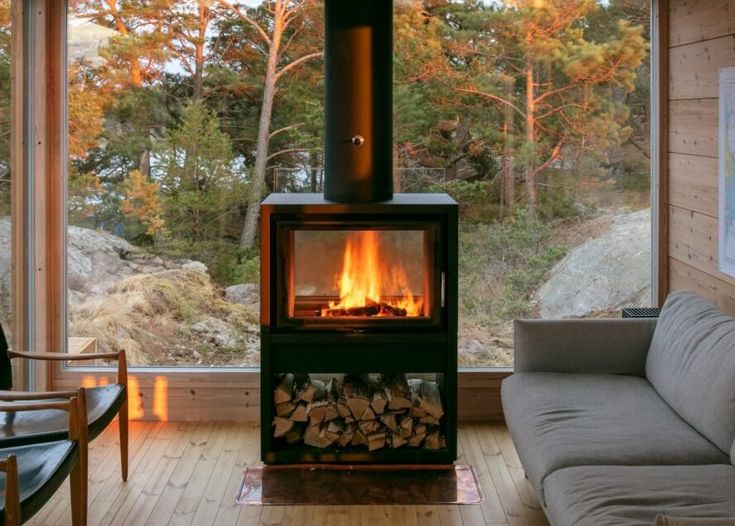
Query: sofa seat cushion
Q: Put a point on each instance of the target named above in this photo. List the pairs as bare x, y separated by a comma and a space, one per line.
635, 495
691, 364
562, 420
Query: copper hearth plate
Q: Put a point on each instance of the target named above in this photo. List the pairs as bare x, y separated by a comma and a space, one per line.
342, 485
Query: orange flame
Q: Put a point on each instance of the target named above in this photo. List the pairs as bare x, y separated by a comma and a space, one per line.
367, 280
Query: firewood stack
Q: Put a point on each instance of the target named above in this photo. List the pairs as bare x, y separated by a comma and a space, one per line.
386, 411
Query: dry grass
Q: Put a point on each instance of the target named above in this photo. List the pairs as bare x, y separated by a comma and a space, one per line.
151, 316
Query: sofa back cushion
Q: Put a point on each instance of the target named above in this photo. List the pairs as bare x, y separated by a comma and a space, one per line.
691, 364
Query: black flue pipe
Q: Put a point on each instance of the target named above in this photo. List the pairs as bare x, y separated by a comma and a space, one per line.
358, 64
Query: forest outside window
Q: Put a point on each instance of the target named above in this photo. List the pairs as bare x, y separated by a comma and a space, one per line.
533, 115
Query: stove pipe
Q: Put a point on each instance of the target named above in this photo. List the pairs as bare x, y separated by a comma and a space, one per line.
358, 63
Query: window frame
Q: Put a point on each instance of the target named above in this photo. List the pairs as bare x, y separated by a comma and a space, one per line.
39, 159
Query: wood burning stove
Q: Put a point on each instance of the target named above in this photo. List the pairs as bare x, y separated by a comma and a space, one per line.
358, 287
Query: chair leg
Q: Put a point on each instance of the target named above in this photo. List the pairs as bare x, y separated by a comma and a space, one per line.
78, 496
123, 420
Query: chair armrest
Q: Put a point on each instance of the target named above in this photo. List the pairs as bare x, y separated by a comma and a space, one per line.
63, 357
604, 346
75, 405
19, 396
122, 364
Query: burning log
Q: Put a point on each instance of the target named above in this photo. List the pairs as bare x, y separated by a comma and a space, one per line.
374, 308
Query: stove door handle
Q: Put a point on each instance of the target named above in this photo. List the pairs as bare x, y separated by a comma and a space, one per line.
443, 289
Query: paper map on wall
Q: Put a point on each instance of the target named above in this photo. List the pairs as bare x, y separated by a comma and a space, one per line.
727, 171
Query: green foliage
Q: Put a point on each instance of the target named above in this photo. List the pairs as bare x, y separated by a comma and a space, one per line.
197, 179
501, 264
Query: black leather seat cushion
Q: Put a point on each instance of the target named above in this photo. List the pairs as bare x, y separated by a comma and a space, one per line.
42, 468
32, 427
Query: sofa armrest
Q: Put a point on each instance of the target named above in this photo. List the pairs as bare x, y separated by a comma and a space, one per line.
604, 346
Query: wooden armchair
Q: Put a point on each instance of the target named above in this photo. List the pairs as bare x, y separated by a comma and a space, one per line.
101, 405
34, 472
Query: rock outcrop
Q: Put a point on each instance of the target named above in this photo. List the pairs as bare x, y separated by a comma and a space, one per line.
604, 274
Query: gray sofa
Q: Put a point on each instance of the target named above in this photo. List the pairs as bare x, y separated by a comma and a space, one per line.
617, 421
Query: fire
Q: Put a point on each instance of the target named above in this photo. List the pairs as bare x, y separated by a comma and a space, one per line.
368, 285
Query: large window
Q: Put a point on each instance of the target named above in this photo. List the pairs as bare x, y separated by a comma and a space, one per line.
5, 169
533, 115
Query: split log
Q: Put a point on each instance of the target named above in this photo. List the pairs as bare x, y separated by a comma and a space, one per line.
295, 434
282, 425
335, 429
358, 439
397, 440
316, 412
333, 390
369, 414
342, 410
396, 391
346, 437
317, 436
390, 421
331, 413
284, 391
433, 440
368, 426
430, 400
312, 390
379, 401
285, 409
415, 440
376, 441
428, 419
300, 414
405, 428
357, 394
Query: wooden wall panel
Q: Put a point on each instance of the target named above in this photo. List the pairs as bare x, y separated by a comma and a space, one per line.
696, 66
719, 291
693, 183
697, 20
701, 40
693, 127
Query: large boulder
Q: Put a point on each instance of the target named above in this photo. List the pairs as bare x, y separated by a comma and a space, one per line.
245, 294
604, 274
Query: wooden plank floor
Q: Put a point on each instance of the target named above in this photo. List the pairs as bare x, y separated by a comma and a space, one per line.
188, 473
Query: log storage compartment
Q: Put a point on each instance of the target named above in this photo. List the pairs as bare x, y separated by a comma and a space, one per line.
359, 329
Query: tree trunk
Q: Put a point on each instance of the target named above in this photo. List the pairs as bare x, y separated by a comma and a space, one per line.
198, 86
247, 238
508, 181
531, 191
